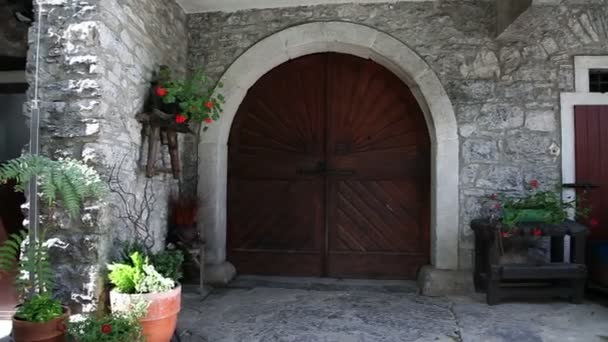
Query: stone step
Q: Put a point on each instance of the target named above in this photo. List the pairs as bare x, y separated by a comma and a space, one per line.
324, 284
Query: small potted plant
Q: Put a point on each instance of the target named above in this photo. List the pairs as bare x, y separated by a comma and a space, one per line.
68, 183
184, 233
541, 206
138, 280
537, 206
115, 327
186, 100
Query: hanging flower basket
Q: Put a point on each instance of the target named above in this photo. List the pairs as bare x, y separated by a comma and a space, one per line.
188, 100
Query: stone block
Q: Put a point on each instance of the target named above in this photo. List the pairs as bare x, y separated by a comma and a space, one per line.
500, 177
219, 274
480, 150
435, 282
529, 146
500, 116
541, 120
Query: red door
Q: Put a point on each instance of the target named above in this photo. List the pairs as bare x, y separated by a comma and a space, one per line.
329, 166
591, 139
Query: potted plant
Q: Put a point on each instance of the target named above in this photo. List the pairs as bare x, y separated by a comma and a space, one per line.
115, 327
184, 233
138, 280
528, 245
189, 99
65, 182
537, 206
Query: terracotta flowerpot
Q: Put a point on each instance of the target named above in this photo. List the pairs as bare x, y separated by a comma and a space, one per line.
160, 321
51, 331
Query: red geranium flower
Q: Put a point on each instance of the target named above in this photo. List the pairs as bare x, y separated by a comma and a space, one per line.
594, 222
106, 328
180, 118
497, 206
537, 232
505, 234
209, 104
208, 120
161, 91
534, 183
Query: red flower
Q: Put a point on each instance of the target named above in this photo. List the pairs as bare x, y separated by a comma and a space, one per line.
594, 222
106, 328
505, 234
161, 91
497, 206
209, 104
180, 118
534, 183
208, 120
537, 232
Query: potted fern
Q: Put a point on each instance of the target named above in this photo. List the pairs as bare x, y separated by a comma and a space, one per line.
139, 280
68, 183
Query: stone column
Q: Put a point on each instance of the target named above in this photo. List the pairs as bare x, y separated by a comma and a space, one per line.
212, 188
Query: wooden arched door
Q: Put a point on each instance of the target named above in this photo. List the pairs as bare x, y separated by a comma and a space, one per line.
329, 173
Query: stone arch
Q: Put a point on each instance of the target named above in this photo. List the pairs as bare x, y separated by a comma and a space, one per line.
349, 38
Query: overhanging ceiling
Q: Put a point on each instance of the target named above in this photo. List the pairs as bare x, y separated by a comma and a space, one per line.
196, 6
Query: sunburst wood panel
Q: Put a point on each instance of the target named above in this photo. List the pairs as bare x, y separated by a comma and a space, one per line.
377, 224
275, 215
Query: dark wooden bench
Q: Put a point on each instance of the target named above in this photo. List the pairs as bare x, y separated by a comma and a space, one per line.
558, 278
555, 280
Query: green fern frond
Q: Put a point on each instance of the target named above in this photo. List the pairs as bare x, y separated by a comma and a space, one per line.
9, 251
67, 181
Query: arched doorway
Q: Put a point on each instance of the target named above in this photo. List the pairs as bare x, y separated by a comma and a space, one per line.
353, 39
329, 173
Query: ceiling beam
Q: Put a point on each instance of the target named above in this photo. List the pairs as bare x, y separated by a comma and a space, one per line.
199, 6
9, 63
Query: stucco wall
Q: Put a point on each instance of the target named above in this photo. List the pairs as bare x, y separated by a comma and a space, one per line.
97, 59
505, 91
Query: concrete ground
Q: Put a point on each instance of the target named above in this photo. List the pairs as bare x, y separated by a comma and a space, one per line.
258, 310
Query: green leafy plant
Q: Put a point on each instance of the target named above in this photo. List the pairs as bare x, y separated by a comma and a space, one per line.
66, 181
138, 276
193, 95
169, 263
39, 308
115, 327
548, 203
36, 274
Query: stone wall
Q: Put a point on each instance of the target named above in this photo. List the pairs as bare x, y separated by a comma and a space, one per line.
505, 91
97, 59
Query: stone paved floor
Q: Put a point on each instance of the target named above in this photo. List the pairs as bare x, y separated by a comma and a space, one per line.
263, 314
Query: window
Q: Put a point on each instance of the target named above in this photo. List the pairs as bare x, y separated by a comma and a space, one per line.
598, 80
